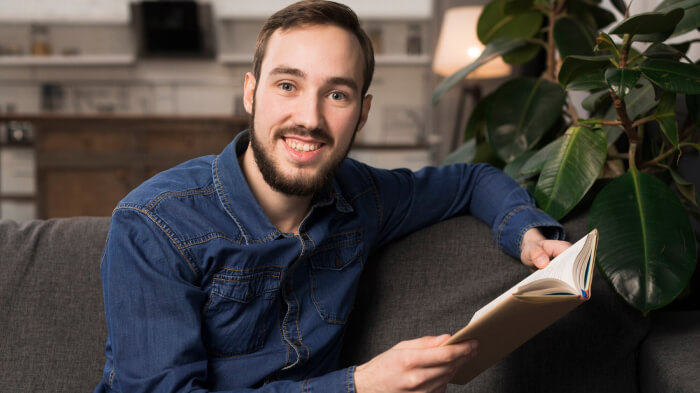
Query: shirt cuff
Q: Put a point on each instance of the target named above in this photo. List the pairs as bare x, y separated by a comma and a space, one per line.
518, 221
341, 381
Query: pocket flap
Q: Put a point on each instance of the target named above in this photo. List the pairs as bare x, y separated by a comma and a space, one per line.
245, 285
342, 251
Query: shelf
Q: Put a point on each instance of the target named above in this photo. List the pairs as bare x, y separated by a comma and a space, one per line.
365, 9
17, 197
236, 59
58, 60
388, 59
400, 59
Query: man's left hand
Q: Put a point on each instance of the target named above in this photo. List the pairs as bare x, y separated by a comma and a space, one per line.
536, 250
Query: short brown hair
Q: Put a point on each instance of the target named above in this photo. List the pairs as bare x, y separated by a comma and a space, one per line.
316, 12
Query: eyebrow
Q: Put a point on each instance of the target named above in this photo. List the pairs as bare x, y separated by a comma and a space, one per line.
336, 80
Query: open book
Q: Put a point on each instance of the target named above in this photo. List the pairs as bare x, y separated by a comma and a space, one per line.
529, 307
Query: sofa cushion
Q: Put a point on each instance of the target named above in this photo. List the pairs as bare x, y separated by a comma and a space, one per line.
52, 309
432, 281
669, 356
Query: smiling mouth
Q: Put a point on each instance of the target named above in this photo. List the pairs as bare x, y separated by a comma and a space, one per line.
302, 146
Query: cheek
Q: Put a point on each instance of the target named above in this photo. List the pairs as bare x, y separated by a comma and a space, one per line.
345, 124
269, 114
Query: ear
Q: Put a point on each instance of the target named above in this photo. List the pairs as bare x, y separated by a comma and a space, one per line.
366, 105
249, 92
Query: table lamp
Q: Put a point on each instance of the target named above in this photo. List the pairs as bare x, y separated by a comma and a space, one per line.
458, 46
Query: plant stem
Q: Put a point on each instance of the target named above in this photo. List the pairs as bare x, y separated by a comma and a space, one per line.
550, 73
625, 122
633, 156
667, 153
624, 50
643, 120
611, 123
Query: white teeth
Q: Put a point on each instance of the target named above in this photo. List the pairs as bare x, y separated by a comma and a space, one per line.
305, 147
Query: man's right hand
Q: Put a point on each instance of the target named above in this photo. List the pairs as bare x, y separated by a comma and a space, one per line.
419, 365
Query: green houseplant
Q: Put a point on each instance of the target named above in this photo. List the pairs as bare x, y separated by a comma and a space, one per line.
643, 99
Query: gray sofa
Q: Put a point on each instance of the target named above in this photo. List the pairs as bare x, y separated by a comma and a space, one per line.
53, 331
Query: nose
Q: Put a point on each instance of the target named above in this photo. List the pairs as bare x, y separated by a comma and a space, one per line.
308, 113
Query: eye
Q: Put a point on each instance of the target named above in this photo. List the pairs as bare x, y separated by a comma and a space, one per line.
338, 96
286, 86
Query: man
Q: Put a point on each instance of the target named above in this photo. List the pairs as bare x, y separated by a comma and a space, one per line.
239, 271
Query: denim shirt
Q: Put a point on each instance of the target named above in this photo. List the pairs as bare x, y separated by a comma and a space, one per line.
203, 293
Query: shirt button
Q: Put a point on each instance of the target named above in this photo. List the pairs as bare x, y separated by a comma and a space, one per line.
338, 262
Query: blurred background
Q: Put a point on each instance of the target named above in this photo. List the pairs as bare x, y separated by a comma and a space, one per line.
98, 95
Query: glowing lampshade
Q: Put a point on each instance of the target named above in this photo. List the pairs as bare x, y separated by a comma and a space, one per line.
458, 46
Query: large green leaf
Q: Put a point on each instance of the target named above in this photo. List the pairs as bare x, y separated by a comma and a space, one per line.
513, 168
686, 188
588, 82
666, 117
573, 38
464, 153
491, 51
517, 6
658, 50
658, 24
575, 67
673, 76
596, 100
476, 125
536, 162
691, 17
621, 80
495, 23
641, 100
519, 112
590, 13
646, 246
570, 170
522, 55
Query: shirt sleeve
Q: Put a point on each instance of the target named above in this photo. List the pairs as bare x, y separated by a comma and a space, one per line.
153, 312
412, 200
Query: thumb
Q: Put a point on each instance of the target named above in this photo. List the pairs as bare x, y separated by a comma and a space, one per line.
540, 257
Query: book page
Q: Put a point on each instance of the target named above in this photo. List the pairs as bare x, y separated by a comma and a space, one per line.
559, 268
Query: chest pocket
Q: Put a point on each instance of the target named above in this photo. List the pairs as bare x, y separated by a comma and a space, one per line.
236, 316
335, 272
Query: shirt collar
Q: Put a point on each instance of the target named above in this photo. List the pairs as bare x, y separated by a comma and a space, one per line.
239, 202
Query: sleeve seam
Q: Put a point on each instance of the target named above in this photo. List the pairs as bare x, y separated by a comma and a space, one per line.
166, 230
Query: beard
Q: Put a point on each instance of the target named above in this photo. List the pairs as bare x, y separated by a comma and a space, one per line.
300, 185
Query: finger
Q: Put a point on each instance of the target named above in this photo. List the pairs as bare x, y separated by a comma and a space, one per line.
423, 342
441, 356
554, 247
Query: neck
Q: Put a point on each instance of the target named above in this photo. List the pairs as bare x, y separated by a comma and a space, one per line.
284, 211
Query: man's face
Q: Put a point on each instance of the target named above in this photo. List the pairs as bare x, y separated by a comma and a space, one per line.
306, 106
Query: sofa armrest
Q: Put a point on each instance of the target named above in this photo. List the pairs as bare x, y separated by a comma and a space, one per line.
670, 355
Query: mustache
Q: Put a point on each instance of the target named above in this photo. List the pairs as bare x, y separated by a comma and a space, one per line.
318, 134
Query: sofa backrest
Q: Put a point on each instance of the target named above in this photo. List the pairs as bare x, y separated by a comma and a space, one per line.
432, 281
52, 328
52, 322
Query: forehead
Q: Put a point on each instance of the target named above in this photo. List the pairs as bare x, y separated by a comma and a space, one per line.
325, 51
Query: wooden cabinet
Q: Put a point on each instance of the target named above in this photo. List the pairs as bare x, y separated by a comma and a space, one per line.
86, 164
